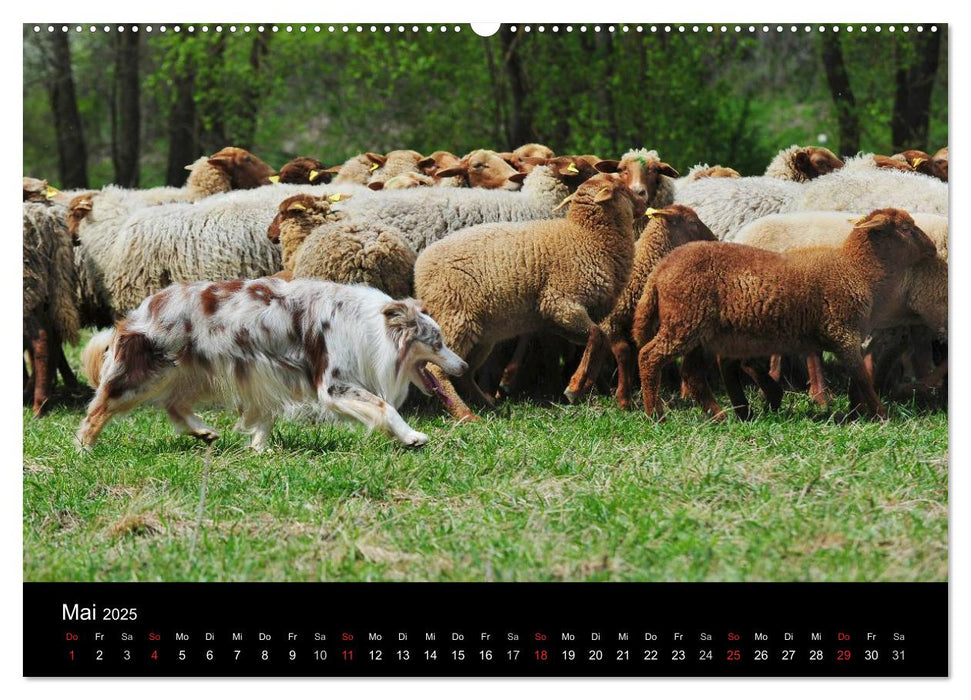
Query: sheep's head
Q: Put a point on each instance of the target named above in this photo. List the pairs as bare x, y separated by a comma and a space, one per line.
923, 163
572, 170
485, 169
533, 150
606, 191
79, 207
306, 211
894, 238
888, 163
716, 171
640, 173
813, 161
439, 160
245, 170
403, 181
941, 158
681, 223
302, 170
37, 190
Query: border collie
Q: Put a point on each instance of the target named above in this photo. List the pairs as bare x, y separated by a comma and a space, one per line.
267, 345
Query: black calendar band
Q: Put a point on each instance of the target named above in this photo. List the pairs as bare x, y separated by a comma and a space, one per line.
493, 629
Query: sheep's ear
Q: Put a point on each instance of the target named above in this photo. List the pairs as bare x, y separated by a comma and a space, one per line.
333, 170
603, 195
457, 171
82, 204
375, 186
221, 162
652, 212
517, 177
665, 169
376, 158
872, 221
803, 162
608, 166
426, 162
297, 206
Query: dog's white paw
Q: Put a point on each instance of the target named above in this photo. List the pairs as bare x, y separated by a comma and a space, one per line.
415, 439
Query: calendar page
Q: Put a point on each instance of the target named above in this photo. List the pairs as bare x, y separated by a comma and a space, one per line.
410, 349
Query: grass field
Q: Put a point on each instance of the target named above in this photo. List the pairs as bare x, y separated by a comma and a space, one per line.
532, 493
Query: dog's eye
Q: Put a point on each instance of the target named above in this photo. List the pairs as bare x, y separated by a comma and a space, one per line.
437, 345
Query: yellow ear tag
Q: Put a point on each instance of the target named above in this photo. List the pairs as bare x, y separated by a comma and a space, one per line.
572, 168
562, 204
314, 174
374, 166
650, 212
859, 221
917, 161
51, 192
274, 179
336, 197
297, 206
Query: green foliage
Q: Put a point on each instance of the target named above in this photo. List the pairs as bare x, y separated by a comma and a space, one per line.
734, 99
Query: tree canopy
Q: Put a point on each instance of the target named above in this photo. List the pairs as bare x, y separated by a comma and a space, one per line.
146, 102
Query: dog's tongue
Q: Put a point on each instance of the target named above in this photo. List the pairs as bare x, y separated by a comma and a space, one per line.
432, 383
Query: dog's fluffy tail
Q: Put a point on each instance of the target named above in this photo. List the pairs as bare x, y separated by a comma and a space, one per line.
93, 355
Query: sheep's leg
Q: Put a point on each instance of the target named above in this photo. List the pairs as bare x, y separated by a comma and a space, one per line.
862, 394
28, 385
372, 411
64, 367
731, 371
695, 383
771, 389
475, 358
450, 397
651, 359
43, 370
775, 367
588, 369
184, 420
510, 375
923, 351
573, 323
817, 382
625, 371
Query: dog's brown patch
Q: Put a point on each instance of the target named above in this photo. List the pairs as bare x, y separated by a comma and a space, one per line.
261, 292
158, 302
141, 358
244, 341
316, 348
217, 292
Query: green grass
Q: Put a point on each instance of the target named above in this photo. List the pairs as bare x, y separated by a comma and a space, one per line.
534, 493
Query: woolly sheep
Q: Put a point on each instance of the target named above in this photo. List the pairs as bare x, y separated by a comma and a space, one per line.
356, 170
533, 150
737, 302
50, 297
862, 190
803, 163
220, 237
921, 294
333, 248
727, 204
666, 229
393, 164
427, 214
403, 181
497, 281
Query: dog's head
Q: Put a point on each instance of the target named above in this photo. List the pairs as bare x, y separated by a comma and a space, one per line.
419, 340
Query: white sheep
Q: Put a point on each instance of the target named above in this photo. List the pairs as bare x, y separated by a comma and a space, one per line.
727, 204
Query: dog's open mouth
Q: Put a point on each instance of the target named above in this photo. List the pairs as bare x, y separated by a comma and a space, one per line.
431, 384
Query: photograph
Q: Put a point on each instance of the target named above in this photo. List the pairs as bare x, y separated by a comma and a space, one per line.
568, 303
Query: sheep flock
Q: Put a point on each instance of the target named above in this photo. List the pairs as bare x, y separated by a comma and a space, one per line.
540, 266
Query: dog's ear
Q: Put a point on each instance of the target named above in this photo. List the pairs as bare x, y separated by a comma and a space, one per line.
398, 313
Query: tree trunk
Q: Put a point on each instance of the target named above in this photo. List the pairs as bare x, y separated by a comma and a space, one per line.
843, 99
915, 82
71, 152
126, 110
183, 126
253, 92
521, 122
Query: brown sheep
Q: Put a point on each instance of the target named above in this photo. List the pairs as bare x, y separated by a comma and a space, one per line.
393, 164
941, 158
439, 160
485, 169
739, 302
234, 169
403, 182
496, 281
356, 170
924, 164
302, 170
891, 163
321, 243
666, 229
803, 163
533, 150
